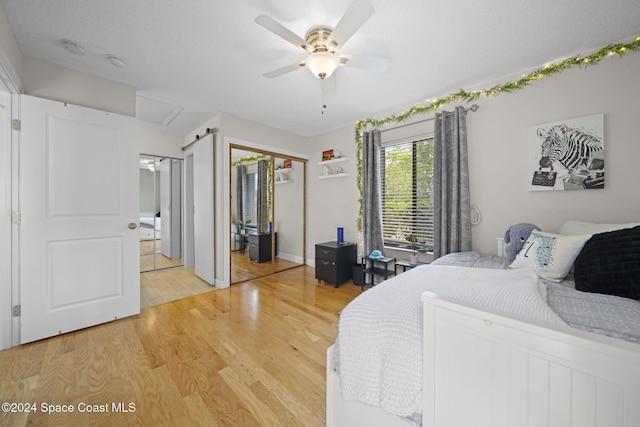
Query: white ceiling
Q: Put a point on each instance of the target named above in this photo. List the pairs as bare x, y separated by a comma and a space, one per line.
192, 59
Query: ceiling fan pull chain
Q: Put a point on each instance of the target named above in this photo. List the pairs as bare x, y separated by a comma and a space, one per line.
324, 104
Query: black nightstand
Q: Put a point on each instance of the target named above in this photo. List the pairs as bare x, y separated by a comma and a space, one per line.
334, 262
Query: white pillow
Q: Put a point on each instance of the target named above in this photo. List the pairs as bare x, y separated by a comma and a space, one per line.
582, 227
550, 255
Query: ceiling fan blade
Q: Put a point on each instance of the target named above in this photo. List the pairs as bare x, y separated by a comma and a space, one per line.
280, 30
285, 70
370, 63
357, 14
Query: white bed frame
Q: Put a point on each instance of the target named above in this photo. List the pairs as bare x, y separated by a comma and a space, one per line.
483, 368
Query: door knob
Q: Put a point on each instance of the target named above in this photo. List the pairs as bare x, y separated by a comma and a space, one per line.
133, 225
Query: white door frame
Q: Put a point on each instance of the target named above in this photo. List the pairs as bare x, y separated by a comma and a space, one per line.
9, 84
6, 180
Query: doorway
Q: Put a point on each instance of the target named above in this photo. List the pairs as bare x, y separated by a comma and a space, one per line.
160, 228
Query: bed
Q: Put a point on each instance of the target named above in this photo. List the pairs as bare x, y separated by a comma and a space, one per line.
150, 227
470, 341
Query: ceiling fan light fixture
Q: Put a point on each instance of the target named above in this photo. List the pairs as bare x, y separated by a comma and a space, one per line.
322, 64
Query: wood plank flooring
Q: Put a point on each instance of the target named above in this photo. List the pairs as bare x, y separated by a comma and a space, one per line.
160, 286
249, 355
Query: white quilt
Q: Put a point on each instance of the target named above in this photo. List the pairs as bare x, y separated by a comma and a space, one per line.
379, 340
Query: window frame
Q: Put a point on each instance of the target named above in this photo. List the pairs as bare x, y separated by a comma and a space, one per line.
400, 243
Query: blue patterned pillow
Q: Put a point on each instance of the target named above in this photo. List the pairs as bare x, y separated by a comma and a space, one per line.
550, 255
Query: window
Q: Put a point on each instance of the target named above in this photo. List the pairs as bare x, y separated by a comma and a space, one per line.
250, 195
406, 171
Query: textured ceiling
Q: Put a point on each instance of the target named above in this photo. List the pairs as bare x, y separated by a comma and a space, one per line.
192, 59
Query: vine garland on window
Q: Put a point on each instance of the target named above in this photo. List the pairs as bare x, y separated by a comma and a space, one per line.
463, 95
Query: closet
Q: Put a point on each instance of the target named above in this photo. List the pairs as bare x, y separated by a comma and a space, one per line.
268, 211
160, 226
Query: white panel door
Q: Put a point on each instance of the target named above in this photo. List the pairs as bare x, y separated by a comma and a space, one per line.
79, 200
203, 232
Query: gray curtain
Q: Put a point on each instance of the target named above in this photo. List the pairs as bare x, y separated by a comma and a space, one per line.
371, 195
263, 210
240, 172
452, 223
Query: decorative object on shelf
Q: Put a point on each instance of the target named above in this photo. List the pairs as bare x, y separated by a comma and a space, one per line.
327, 155
329, 171
572, 149
469, 96
376, 254
286, 164
340, 235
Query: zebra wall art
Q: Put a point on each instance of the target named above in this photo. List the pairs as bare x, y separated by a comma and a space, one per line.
570, 155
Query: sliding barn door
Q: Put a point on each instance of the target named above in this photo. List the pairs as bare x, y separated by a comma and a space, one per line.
78, 195
203, 225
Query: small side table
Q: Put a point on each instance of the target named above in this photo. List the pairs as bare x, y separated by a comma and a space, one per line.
378, 267
405, 264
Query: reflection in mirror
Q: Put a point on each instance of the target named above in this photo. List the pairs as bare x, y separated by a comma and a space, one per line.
160, 213
289, 176
251, 215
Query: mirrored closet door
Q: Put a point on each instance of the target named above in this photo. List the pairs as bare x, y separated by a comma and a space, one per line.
267, 213
160, 226
289, 212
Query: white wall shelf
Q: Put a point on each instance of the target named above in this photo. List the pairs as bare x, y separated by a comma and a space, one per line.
332, 171
333, 175
332, 161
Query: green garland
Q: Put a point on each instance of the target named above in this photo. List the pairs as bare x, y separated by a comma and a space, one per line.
249, 159
469, 96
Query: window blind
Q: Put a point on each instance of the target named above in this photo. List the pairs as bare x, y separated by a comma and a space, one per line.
407, 204
250, 192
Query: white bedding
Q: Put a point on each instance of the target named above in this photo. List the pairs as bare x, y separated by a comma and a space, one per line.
379, 343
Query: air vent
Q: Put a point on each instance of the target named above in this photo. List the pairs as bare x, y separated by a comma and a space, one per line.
116, 61
73, 47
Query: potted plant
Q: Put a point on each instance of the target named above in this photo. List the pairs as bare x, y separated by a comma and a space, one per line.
240, 224
417, 247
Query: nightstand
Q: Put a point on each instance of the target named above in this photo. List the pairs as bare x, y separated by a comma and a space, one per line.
334, 262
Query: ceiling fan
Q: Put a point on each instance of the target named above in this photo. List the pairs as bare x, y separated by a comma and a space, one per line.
323, 42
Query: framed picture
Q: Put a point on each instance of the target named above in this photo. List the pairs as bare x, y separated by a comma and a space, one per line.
567, 155
286, 164
327, 155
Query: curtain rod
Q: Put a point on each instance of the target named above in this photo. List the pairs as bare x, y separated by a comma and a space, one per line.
198, 137
473, 108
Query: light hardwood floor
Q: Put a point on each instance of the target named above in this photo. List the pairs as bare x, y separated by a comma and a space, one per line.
249, 355
160, 286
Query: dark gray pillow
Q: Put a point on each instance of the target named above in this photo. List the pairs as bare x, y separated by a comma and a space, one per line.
609, 263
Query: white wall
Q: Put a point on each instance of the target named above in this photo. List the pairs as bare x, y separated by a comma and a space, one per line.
498, 150
50, 81
333, 203
160, 143
498, 157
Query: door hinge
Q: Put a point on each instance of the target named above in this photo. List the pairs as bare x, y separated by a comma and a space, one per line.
16, 311
16, 217
16, 124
